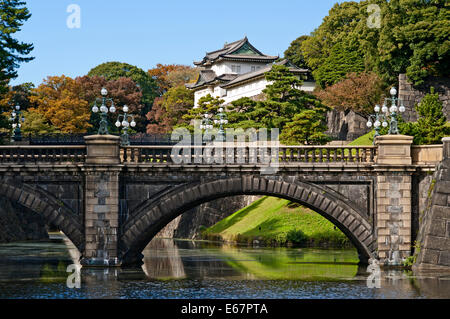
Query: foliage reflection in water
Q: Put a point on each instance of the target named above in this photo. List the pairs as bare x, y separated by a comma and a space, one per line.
184, 269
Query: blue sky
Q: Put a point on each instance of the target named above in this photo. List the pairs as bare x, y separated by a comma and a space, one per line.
147, 32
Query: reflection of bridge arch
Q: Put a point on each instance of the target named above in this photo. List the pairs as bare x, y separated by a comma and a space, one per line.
156, 213
53, 211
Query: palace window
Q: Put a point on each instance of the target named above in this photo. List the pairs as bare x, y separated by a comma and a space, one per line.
253, 68
236, 69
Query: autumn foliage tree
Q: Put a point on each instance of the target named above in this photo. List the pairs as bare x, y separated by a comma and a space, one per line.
168, 110
16, 95
66, 103
357, 92
175, 100
123, 91
59, 100
172, 75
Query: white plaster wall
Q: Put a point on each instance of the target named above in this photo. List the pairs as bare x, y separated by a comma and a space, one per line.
308, 86
246, 90
225, 67
199, 94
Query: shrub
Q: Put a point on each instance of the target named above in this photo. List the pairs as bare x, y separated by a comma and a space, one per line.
296, 237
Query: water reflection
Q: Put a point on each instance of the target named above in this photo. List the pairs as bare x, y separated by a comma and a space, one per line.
184, 269
168, 259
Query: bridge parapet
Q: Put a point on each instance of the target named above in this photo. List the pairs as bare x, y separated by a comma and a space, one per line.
21, 154
216, 154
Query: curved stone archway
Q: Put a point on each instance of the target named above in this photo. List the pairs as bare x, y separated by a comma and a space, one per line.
156, 213
53, 211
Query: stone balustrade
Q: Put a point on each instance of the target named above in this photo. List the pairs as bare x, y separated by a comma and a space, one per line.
249, 154
19, 154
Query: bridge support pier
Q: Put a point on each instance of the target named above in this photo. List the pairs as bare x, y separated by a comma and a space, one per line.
393, 197
101, 174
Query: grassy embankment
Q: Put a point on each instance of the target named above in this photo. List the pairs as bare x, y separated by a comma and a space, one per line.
277, 222
367, 139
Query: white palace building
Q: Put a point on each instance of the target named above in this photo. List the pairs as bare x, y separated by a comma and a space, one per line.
238, 70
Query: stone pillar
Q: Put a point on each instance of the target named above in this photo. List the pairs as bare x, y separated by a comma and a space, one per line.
446, 148
101, 172
393, 198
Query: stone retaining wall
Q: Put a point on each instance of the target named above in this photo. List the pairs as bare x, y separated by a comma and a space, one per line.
413, 95
433, 241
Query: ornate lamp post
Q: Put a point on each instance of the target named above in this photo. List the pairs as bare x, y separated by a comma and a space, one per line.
125, 123
221, 120
16, 119
206, 123
388, 114
103, 130
375, 121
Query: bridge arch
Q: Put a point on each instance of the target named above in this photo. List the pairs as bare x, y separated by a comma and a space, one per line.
156, 213
53, 211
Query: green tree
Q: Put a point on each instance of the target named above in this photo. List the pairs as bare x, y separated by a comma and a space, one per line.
115, 70
337, 27
13, 14
245, 113
206, 104
36, 124
284, 99
414, 38
294, 52
284, 103
341, 60
307, 127
431, 126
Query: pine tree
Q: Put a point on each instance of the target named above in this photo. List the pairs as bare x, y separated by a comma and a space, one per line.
307, 127
245, 113
207, 104
431, 126
283, 97
12, 52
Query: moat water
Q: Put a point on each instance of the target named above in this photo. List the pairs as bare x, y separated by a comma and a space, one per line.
190, 270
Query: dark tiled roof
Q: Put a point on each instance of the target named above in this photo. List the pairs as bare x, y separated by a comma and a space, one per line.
261, 72
229, 48
209, 76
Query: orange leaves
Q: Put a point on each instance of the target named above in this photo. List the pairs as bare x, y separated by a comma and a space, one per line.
58, 100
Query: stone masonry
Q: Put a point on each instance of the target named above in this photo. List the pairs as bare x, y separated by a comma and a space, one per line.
413, 95
394, 217
101, 201
433, 242
394, 186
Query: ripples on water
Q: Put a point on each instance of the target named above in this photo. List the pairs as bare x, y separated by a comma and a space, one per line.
192, 270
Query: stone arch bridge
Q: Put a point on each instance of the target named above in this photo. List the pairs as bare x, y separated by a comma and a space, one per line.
111, 201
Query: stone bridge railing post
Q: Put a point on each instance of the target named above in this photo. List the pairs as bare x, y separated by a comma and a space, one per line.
101, 190
393, 198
